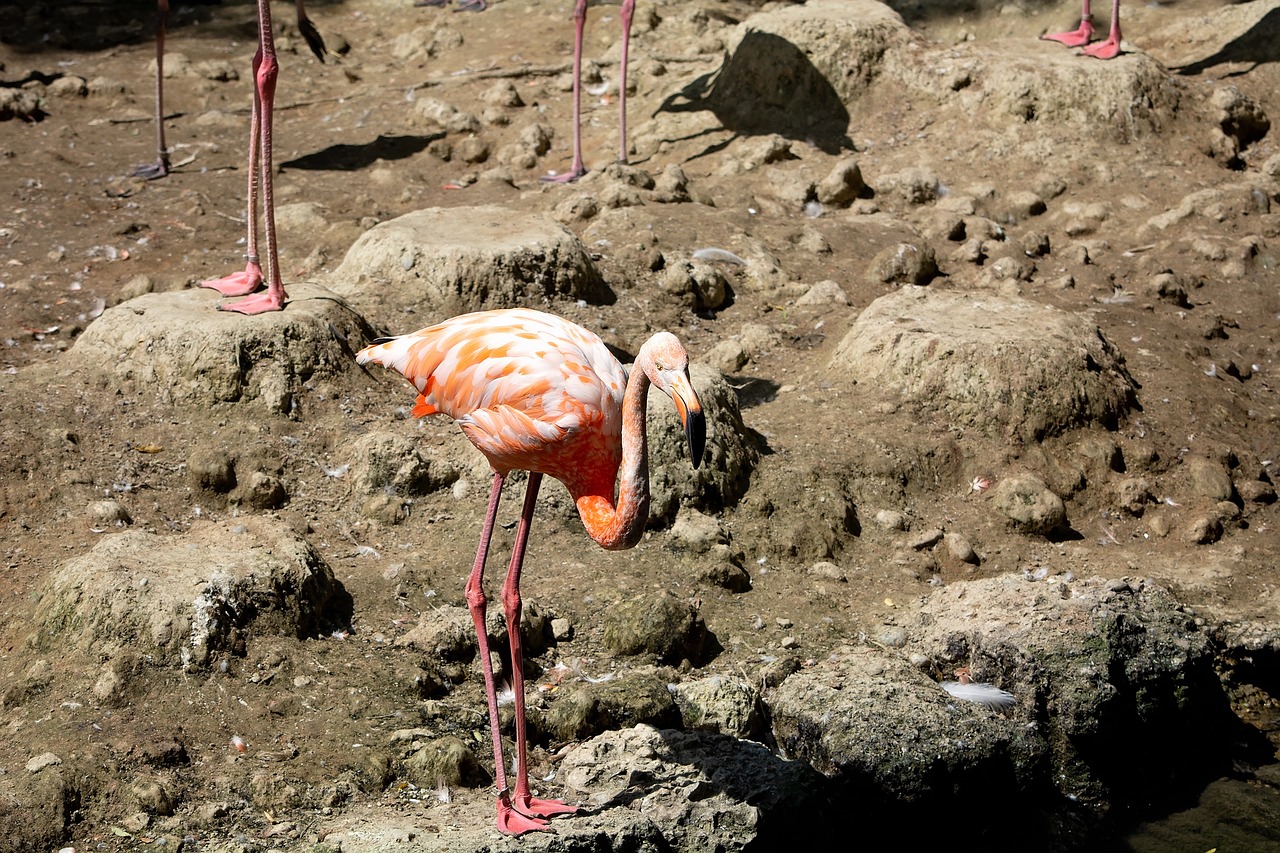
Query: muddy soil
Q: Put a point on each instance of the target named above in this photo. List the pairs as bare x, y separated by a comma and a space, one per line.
353, 148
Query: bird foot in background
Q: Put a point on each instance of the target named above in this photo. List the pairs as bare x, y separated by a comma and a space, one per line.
150, 171
512, 822
258, 303
238, 283
1108, 49
1076, 38
565, 177
542, 808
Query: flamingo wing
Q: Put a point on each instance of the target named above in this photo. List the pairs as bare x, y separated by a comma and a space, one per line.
516, 380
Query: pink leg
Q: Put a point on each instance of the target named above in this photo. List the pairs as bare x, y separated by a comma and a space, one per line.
160, 168
577, 170
265, 73
522, 801
509, 820
1077, 37
1109, 48
628, 9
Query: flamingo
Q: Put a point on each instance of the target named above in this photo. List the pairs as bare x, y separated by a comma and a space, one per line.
265, 70
577, 169
1079, 37
160, 168
537, 393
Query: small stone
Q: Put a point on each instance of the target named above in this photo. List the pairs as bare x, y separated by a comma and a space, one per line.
828, 570
561, 629
824, 293
263, 491
107, 513
696, 532
1256, 491
925, 539
1209, 478
212, 469
891, 519
1204, 530
788, 642
1133, 494
1029, 504
959, 548
903, 264
40, 762
153, 797
842, 184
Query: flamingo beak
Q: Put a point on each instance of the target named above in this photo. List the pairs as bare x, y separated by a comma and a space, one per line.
689, 408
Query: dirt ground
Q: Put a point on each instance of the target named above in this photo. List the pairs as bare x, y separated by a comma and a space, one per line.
78, 235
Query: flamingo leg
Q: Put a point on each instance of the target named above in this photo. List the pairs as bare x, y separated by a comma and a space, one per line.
160, 168
628, 10
265, 71
509, 820
1079, 36
577, 169
522, 801
1109, 48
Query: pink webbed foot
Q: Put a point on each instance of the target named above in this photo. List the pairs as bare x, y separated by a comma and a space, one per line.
513, 822
1076, 38
258, 303
238, 283
1108, 49
543, 808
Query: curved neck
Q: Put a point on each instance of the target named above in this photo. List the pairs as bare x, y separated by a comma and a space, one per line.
615, 526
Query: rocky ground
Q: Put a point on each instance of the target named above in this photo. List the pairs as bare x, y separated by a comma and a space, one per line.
984, 330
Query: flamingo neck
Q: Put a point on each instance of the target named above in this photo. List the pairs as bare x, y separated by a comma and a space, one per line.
615, 526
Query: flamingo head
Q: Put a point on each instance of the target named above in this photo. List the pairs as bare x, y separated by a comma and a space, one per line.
666, 363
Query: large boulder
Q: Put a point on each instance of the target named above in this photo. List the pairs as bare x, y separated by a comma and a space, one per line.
1001, 366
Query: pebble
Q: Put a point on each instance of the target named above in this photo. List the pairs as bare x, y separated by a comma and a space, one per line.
960, 549
828, 570
40, 762
891, 519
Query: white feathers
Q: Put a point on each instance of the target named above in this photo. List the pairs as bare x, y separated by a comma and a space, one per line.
982, 694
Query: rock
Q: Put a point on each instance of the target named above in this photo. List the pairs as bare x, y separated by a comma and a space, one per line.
261, 491
960, 549
561, 629
828, 571
445, 761
1003, 366
706, 791
1029, 504
661, 625
1133, 494
891, 519
925, 539
732, 451
696, 532
1256, 491
628, 699
438, 262
824, 294
722, 705
1203, 530
41, 761
211, 469
384, 461
106, 514
903, 265
1209, 479
1071, 729
175, 348
842, 184
152, 797
914, 185
217, 581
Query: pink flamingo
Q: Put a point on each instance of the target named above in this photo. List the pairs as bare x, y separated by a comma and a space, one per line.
537, 393
1079, 37
160, 168
577, 169
265, 70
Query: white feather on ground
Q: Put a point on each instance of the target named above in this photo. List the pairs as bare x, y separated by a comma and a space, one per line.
981, 694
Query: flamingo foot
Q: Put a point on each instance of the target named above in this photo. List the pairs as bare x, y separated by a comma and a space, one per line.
512, 822
565, 177
259, 303
238, 283
1076, 38
1108, 49
543, 808
150, 171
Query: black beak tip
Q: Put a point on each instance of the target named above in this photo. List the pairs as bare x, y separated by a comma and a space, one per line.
695, 431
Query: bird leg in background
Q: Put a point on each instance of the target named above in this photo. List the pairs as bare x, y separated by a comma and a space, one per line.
522, 801
1077, 37
509, 820
463, 5
577, 169
160, 168
265, 71
1108, 48
628, 9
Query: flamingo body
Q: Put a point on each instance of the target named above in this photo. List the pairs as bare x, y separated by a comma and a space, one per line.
537, 393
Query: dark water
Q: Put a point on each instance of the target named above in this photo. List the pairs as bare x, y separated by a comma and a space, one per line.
1232, 816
